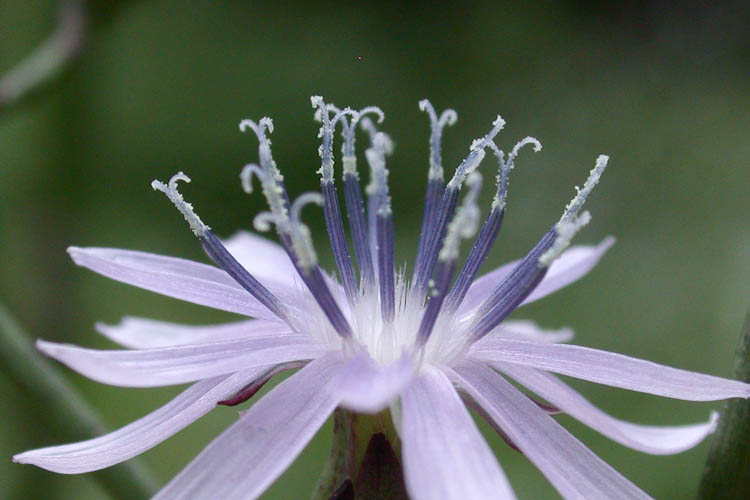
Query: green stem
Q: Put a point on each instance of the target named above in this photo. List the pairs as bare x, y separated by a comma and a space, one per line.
727, 471
49, 59
364, 454
66, 413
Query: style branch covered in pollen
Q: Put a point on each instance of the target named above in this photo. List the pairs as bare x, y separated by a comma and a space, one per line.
414, 349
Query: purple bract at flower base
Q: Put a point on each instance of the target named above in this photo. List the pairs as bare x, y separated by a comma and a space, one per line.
376, 340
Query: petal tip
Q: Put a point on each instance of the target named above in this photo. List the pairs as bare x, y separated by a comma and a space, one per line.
44, 346
26, 457
50, 349
76, 253
608, 242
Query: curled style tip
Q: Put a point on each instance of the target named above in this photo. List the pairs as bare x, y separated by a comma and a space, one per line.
300, 203
347, 133
448, 117
476, 155
259, 128
264, 145
326, 133
246, 176
483, 142
524, 142
505, 165
377, 138
263, 221
185, 208
216, 249
300, 233
582, 193
373, 110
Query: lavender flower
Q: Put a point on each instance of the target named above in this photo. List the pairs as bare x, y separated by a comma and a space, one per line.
375, 340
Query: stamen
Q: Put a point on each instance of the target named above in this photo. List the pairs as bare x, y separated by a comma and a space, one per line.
274, 193
294, 235
447, 117
532, 269
490, 228
435, 181
465, 222
565, 230
264, 145
347, 132
477, 154
463, 225
379, 206
216, 249
447, 205
353, 195
506, 166
185, 208
331, 211
595, 174
271, 180
306, 260
301, 239
263, 221
326, 134
386, 269
381, 145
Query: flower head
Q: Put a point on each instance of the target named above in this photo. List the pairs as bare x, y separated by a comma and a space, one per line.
374, 339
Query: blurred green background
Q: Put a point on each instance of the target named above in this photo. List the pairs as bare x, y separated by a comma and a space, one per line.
162, 85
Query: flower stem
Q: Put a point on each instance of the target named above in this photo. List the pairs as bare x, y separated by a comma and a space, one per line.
364, 462
727, 471
66, 414
49, 59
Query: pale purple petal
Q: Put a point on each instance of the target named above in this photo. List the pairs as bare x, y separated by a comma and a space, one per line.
144, 433
569, 267
246, 458
445, 456
264, 259
483, 286
528, 330
142, 333
180, 364
366, 387
609, 368
572, 265
179, 278
656, 440
269, 263
574, 470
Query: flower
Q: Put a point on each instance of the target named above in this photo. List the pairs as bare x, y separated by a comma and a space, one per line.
373, 341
